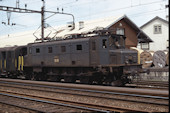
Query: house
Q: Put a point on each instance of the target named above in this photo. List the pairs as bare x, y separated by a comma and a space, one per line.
117, 24
158, 30
134, 35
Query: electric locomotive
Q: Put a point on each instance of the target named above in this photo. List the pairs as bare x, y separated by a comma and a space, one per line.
100, 58
96, 58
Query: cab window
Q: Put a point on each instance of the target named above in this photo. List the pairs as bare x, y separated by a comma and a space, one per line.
104, 43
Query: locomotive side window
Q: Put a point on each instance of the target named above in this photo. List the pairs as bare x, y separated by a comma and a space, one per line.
79, 47
104, 43
63, 48
50, 49
37, 50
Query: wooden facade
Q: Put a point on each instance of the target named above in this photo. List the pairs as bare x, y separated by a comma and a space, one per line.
129, 32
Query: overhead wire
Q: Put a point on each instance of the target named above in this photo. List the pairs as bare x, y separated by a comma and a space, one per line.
126, 7
153, 11
107, 11
99, 1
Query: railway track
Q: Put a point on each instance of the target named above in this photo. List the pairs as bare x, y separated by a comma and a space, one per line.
153, 83
52, 104
99, 98
76, 105
146, 87
161, 85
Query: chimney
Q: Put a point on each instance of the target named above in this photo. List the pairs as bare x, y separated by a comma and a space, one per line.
70, 26
81, 25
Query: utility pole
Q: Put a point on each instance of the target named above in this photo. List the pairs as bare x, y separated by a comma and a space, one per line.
17, 4
42, 20
167, 14
42, 12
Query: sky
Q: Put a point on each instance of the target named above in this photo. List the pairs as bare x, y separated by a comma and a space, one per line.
139, 11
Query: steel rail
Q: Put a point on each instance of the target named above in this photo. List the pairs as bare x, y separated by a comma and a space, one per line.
22, 107
110, 98
86, 90
103, 109
81, 87
152, 83
95, 87
146, 87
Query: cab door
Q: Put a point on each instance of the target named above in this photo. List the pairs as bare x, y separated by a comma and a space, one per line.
94, 59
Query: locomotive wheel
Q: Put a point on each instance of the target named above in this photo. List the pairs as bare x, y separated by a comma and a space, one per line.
57, 78
117, 83
28, 76
35, 76
86, 80
39, 76
54, 78
69, 79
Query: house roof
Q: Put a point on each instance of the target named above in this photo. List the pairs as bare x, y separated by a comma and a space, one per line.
156, 18
63, 31
142, 37
90, 25
105, 23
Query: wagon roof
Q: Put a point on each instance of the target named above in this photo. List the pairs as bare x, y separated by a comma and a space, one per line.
12, 48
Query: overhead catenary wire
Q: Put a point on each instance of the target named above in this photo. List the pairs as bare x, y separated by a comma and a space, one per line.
86, 15
92, 14
80, 17
106, 10
89, 23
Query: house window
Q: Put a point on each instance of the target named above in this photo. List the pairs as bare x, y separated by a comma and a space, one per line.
157, 29
167, 44
145, 46
79, 47
120, 31
37, 50
50, 49
63, 48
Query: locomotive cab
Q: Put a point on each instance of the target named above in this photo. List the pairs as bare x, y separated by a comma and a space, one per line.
123, 62
113, 60
119, 55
